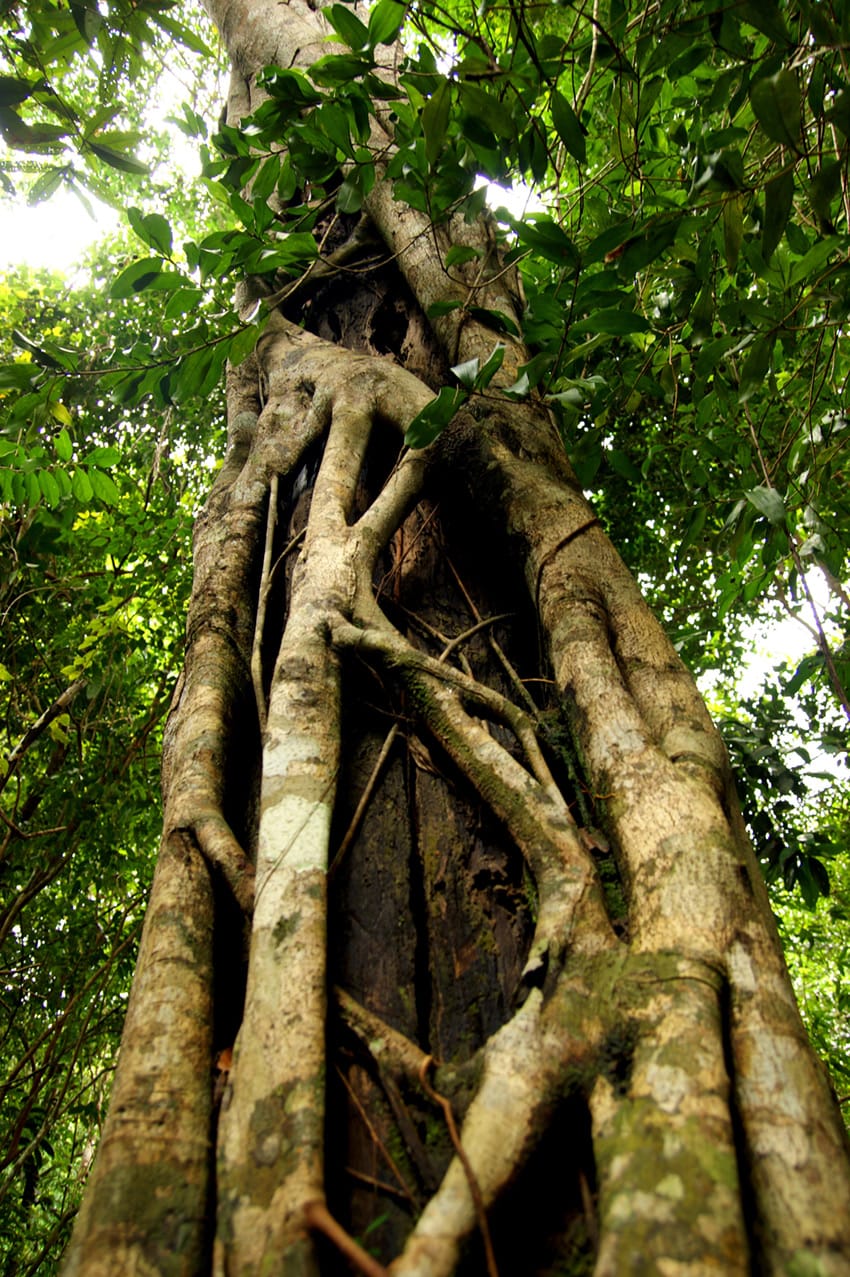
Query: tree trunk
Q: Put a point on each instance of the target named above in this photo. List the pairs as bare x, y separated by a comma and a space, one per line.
450, 844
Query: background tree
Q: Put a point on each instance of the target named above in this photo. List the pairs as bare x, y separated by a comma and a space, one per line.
632, 992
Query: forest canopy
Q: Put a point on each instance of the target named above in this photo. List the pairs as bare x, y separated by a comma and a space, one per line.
681, 280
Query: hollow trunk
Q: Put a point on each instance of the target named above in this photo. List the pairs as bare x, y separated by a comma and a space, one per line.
457, 954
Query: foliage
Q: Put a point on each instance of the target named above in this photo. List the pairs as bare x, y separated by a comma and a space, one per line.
94, 588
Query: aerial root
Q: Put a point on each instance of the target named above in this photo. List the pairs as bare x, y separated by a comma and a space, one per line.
320, 1220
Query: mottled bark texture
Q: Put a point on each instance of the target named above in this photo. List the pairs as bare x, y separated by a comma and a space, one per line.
463, 849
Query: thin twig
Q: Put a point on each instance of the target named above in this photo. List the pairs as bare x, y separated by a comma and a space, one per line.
475, 1191
379, 1143
320, 1220
379, 1184
368, 790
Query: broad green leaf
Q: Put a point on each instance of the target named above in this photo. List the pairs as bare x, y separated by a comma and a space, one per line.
755, 368
775, 100
435, 120
118, 159
385, 21
87, 18
349, 197
81, 486
333, 119
467, 372
435, 416
289, 86
45, 185
544, 235
815, 259
18, 376
13, 90
491, 366
49, 487
39, 354
152, 229
614, 322
62, 444
770, 503
436, 309
824, 188
101, 456
765, 16
104, 488
60, 413
568, 126
487, 109
495, 319
347, 26
28, 136
136, 277
733, 231
460, 253
778, 201
183, 35
338, 68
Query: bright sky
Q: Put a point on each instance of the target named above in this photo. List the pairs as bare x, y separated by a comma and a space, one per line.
52, 234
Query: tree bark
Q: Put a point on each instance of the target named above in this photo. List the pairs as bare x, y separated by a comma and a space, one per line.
465, 849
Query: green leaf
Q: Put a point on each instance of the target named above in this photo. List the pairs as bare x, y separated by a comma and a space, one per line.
770, 503
495, 319
87, 19
81, 486
62, 444
28, 136
615, 322
546, 237
152, 229
338, 68
13, 90
733, 231
442, 308
435, 120
118, 159
49, 487
824, 188
347, 26
756, 367
778, 201
136, 277
459, 253
467, 372
104, 488
775, 100
291, 87
491, 366
333, 120
349, 197
487, 109
435, 416
45, 185
19, 376
39, 355
568, 126
764, 15
101, 456
385, 22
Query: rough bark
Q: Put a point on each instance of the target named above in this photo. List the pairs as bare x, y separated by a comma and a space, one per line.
538, 913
